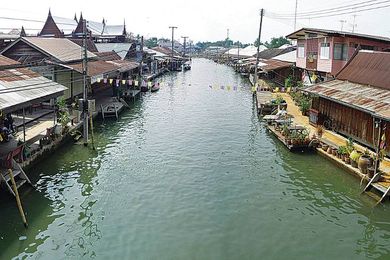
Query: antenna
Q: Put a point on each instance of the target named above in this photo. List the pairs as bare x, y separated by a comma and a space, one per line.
354, 24
342, 24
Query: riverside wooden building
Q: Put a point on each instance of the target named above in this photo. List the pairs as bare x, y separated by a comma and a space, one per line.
357, 103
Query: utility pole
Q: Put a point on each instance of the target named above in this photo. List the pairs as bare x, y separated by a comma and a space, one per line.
185, 42
141, 51
238, 50
190, 53
295, 15
173, 34
85, 87
258, 46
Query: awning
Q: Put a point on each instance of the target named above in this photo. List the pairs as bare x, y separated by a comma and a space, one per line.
20, 88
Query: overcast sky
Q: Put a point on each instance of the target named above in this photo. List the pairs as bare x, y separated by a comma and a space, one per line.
200, 20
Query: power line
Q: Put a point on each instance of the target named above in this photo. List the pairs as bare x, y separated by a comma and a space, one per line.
335, 14
332, 10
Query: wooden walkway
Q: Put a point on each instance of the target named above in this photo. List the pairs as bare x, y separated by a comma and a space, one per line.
337, 140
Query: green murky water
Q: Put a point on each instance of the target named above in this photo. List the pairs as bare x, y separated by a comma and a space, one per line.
190, 173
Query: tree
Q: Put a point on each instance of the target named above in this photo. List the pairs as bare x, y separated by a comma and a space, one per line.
256, 43
152, 42
276, 42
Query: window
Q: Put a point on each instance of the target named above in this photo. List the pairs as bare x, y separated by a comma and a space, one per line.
340, 51
325, 51
301, 51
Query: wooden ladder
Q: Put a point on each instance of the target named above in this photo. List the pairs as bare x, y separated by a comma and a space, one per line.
17, 171
371, 184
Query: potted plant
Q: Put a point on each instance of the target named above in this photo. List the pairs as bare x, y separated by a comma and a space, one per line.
320, 131
364, 161
341, 152
354, 156
63, 117
325, 147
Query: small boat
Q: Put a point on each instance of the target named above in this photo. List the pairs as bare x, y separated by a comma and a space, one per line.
145, 86
144, 89
156, 87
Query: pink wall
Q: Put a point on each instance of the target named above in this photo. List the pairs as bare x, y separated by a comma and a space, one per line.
334, 66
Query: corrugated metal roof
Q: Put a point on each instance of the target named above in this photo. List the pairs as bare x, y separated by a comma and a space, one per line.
120, 48
96, 68
366, 98
301, 34
289, 57
270, 53
4, 61
109, 55
368, 68
274, 65
22, 87
62, 49
166, 51
244, 52
124, 65
66, 25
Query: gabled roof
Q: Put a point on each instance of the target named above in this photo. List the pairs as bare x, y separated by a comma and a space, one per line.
368, 68
22, 87
50, 28
107, 56
60, 49
300, 34
120, 48
100, 28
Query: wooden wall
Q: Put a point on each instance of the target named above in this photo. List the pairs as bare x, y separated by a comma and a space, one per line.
352, 122
24, 53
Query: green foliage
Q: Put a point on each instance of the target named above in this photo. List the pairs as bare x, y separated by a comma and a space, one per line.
276, 42
355, 155
63, 112
279, 100
342, 150
256, 43
349, 146
151, 43
288, 82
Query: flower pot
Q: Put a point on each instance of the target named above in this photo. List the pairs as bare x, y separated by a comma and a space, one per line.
354, 164
347, 160
370, 172
329, 151
364, 163
334, 152
325, 147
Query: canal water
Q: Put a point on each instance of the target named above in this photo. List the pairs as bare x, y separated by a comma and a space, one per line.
190, 173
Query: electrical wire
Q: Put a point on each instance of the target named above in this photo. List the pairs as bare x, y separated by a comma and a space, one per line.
334, 14
332, 10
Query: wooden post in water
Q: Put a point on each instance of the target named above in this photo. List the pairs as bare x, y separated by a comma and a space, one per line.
92, 137
18, 202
